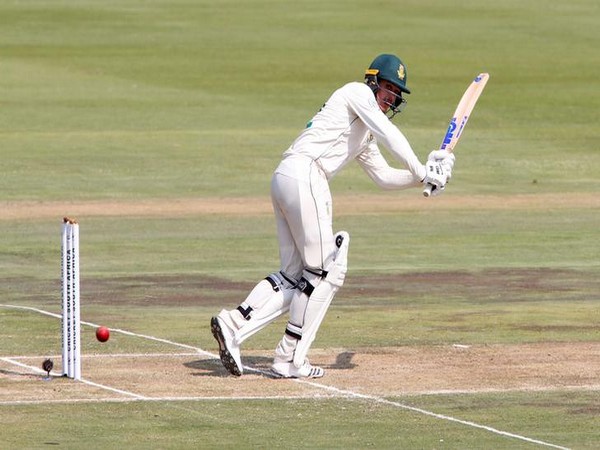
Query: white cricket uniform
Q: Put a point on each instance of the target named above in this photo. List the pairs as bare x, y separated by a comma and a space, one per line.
346, 128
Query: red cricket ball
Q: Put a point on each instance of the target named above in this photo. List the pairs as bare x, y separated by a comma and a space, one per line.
102, 334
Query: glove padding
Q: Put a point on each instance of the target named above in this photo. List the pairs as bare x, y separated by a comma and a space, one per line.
438, 155
446, 158
437, 175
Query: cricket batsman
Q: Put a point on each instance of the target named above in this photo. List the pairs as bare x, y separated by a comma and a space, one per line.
350, 126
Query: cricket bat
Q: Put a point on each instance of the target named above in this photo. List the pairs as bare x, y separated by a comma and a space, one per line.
460, 117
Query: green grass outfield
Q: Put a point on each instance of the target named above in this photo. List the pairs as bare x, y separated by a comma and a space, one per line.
172, 101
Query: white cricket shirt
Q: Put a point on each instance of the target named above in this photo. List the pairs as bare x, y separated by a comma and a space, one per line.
348, 127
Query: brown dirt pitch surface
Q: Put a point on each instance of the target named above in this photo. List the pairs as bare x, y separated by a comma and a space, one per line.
373, 372
197, 373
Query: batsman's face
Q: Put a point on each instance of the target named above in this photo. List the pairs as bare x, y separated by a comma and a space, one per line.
387, 95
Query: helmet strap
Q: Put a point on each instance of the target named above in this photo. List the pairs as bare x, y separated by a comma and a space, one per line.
373, 82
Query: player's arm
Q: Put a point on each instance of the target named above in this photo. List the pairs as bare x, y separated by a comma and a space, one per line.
386, 177
364, 105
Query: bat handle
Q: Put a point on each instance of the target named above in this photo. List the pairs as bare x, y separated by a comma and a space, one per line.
427, 190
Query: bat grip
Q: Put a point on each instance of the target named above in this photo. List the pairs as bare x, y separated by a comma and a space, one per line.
427, 190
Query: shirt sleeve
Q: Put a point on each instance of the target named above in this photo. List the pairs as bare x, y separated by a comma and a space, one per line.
386, 177
366, 108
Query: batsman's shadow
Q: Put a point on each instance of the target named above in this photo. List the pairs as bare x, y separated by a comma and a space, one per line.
213, 367
343, 361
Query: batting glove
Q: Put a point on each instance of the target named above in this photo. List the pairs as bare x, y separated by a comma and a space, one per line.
437, 173
444, 157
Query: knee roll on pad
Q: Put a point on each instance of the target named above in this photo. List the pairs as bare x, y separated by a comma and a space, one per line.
261, 294
335, 272
268, 300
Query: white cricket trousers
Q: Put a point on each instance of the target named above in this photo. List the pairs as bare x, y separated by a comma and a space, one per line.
303, 210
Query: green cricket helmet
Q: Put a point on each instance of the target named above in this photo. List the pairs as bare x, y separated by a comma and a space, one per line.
390, 68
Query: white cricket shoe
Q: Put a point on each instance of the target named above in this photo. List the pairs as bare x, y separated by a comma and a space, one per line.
289, 370
228, 351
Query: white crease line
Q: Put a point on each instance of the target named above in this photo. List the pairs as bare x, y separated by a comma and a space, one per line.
112, 355
68, 401
583, 387
425, 412
118, 391
25, 366
41, 311
83, 380
117, 330
574, 388
163, 399
342, 392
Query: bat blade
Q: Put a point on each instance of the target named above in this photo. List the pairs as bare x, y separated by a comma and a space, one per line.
461, 116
